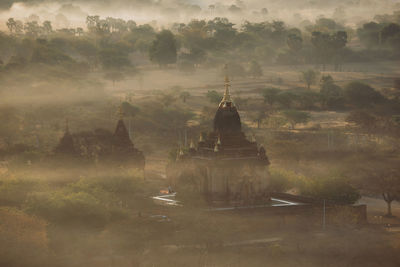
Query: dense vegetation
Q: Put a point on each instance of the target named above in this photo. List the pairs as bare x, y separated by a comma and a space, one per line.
70, 212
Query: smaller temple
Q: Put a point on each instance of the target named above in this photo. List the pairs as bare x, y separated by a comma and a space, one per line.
223, 164
66, 145
102, 146
123, 151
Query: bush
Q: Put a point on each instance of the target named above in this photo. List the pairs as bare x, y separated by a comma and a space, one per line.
13, 192
279, 181
214, 97
68, 208
23, 239
90, 201
336, 189
362, 95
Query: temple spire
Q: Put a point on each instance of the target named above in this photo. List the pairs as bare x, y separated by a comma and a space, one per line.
120, 111
227, 84
227, 95
66, 126
216, 149
192, 146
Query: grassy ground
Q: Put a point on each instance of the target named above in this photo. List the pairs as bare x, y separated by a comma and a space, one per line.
192, 237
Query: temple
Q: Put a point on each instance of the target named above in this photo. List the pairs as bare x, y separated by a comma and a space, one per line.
102, 146
123, 151
66, 145
224, 164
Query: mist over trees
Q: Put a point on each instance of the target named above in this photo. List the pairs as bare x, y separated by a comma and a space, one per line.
109, 43
319, 94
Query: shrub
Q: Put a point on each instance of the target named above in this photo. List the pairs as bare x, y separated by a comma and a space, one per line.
213, 96
362, 95
90, 201
13, 192
279, 181
23, 239
336, 189
68, 208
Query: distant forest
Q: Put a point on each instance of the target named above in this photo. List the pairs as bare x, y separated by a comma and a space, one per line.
117, 45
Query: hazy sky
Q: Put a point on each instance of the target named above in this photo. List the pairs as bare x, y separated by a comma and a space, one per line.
72, 13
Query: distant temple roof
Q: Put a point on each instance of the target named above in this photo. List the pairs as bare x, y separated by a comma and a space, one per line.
117, 148
121, 135
66, 144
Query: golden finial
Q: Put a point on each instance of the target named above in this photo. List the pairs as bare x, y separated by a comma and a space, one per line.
216, 149
120, 111
227, 95
192, 144
66, 125
219, 141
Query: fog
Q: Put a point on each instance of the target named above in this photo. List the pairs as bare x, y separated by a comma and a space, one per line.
163, 13
199, 133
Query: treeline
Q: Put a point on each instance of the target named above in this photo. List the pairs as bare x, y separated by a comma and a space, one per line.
373, 112
109, 43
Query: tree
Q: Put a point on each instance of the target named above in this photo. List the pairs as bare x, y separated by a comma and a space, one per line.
328, 46
295, 116
89, 51
12, 25
338, 42
385, 181
259, 117
370, 35
114, 58
213, 96
390, 35
295, 43
270, 95
163, 50
320, 41
32, 29
255, 69
235, 70
309, 77
47, 28
167, 99
362, 95
79, 31
195, 57
307, 99
184, 96
92, 22
363, 119
331, 94
114, 76
286, 98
